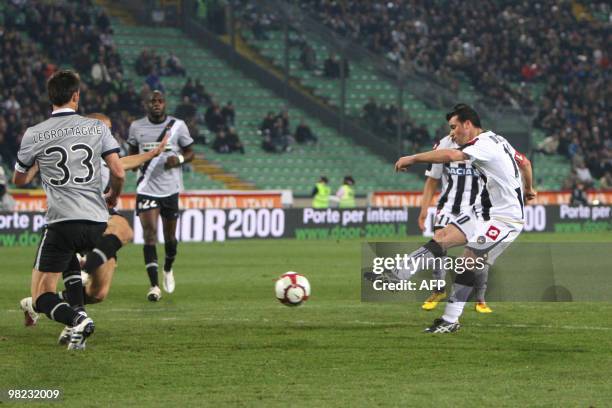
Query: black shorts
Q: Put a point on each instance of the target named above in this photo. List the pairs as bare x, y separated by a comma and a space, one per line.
168, 206
62, 240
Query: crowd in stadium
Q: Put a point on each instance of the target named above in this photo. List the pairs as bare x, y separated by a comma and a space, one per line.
79, 36
507, 59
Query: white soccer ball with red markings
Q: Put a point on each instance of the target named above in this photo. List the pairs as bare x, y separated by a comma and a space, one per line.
292, 289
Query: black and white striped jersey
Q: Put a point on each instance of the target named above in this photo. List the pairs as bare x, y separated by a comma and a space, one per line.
462, 185
499, 166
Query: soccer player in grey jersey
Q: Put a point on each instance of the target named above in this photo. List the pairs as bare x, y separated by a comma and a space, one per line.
159, 184
67, 148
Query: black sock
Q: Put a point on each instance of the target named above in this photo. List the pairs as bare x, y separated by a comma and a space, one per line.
55, 309
105, 249
170, 254
150, 257
435, 248
74, 290
63, 295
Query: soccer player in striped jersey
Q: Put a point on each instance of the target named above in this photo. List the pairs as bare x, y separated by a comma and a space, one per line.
457, 211
508, 180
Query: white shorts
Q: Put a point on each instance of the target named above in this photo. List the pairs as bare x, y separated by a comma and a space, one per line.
492, 237
466, 221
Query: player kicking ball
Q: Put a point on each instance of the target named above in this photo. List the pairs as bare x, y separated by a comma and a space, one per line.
158, 186
499, 165
457, 210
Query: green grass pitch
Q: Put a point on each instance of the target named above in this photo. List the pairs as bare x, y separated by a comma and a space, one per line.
223, 340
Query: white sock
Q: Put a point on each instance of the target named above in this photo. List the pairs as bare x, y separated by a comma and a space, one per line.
453, 311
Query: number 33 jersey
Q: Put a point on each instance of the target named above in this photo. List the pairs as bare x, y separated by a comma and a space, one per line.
498, 163
68, 148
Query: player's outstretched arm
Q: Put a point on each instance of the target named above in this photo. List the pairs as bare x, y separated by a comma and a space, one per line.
117, 178
136, 160
434, 156
431, 185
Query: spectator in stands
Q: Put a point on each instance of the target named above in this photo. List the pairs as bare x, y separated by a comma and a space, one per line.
606, 181
549, 145
283, 115
234, 140
11, 105
214, 119
174, 66
186, 110
201, 94
331, 67
229, 113
304, 135
194, 131
583, 175
267, 145
308, 57
221, 144
371, 113
7, 203
275, 139
154, 82
145, 92
143, 64
268, 123
100, 76
130, 102
280, 136
189, 90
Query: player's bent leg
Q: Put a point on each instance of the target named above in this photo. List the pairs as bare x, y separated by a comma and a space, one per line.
170, 244
106, 249
119, 227
99, 286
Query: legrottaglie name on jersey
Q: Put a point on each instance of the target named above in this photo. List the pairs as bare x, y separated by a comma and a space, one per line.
69, 131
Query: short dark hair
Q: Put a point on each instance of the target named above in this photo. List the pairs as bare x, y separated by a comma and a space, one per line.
62, 85
464, 112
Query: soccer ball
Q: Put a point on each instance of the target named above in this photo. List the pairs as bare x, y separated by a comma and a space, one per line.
292, 289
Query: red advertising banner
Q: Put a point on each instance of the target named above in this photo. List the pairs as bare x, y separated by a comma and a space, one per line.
413, 198
36, 201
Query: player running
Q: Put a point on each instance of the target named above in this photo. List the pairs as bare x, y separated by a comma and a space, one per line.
499, 164
158, 186
67, 148
458, 208
102, 258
